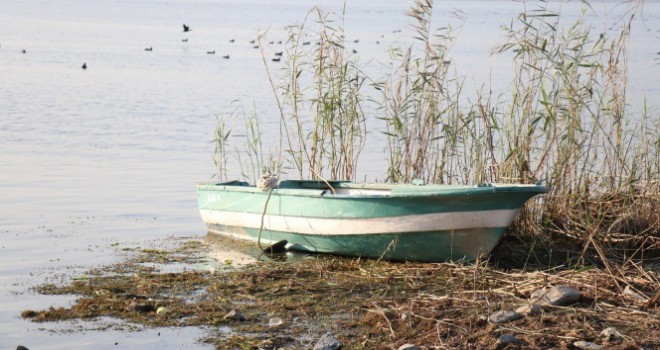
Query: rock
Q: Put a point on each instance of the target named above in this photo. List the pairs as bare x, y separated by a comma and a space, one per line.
141, 307
561, 295
529, 309
235, 315
504, 316
21, 347
506, 339
162, 310
408, 347
611, 334
587, 345
328, 342
275, 321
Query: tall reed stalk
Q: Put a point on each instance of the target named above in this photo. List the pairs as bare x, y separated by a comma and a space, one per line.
320, 100
418, 105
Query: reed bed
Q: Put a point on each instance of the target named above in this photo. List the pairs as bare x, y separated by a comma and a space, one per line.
563, 122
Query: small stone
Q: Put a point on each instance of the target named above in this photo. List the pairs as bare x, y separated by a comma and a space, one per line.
275, 321
504, 316
21, 347
529, 309
235, 315
561, 295
162, 310
506, 339
328, 342
611, 334
587, 345
409, 347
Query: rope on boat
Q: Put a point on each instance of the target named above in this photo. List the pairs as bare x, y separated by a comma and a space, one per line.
267, 182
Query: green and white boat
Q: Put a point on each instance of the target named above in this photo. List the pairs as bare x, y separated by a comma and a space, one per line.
409, 222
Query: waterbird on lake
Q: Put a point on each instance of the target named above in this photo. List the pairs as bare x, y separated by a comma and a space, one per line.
23, 51
148, 48
186, 28
271, 42
84, 66
277, 59
306, 42
251, 41
211, 52
279, 42
278, 53
356, 41
354, 51
225, 57
232, 40
255, 46
185, 40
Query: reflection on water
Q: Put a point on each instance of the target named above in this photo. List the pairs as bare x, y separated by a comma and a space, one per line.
231, 252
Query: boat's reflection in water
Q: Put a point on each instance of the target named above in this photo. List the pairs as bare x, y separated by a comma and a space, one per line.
239, 252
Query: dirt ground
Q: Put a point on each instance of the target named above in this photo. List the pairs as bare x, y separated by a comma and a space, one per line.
289, 301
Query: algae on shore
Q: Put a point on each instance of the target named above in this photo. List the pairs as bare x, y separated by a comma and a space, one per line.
367, 304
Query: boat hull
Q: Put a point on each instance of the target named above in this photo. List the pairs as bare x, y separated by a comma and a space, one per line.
429, 223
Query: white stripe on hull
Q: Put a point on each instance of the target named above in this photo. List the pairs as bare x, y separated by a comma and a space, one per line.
391, 224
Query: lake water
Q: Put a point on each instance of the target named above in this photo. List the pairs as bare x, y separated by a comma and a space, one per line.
96, 160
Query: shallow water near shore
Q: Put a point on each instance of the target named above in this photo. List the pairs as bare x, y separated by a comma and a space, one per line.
94, 161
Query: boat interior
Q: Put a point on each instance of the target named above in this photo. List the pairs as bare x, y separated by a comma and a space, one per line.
347, 188
333, 187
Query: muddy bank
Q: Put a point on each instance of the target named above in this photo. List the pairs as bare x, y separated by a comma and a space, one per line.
270, 304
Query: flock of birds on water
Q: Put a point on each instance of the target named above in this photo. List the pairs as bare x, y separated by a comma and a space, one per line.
277, 58
278, 55
186, 29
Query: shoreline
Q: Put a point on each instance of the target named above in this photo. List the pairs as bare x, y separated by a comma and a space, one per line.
365, 304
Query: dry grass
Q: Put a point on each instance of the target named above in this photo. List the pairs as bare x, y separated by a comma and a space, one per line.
367, 304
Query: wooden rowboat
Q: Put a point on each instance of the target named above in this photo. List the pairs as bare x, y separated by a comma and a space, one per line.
397, 222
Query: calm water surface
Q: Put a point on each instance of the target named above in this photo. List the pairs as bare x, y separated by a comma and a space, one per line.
92, 161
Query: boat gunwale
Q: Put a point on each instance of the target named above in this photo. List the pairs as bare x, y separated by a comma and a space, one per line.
396, 190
